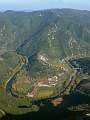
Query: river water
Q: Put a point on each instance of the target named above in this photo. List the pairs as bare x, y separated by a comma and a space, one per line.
48, 112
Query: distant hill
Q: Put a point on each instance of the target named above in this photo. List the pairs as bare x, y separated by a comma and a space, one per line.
57, 32
35, 53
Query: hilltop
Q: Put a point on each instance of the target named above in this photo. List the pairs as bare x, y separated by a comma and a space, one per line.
35, 53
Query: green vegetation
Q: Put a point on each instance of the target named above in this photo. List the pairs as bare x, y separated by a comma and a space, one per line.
35, 48
11, 104
8, 65
53, 31
45, 92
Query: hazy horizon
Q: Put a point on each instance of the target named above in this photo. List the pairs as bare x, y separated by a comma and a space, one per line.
32, 5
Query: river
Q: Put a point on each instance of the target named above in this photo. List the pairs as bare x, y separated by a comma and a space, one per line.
48, 111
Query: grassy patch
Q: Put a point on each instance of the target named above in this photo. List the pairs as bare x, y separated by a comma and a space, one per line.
10, 60
45, 92
11, 104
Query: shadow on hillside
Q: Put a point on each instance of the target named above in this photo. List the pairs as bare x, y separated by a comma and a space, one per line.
49, 112
48, 115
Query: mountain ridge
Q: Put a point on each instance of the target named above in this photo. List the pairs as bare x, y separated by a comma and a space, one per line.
35, 49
